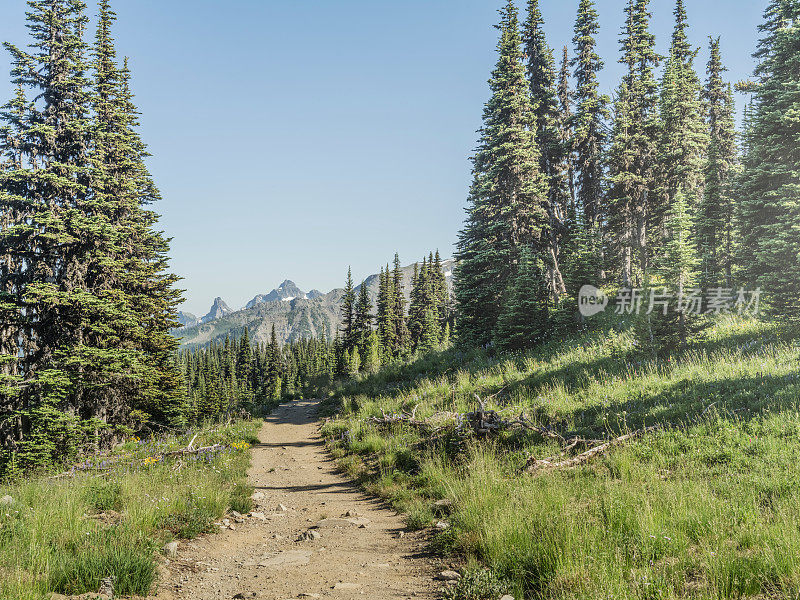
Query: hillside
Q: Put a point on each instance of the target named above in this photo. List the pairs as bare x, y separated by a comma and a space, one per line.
296, 314
701, 502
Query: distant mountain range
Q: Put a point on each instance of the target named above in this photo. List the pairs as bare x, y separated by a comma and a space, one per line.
296, 314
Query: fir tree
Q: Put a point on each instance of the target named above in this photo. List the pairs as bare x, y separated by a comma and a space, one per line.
663, 333
441, 290
632, 156
362, 321
683, 139
524, 319
348, 312
385, 314
47, 215
591, 112
402, 336
372, 353
275, 367
565, 130
552, 157
508, 194
770, 185
716, 217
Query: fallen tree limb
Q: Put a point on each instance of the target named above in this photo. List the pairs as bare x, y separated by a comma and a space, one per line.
534, 464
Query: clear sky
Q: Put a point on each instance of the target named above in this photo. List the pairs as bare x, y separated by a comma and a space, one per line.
294, 138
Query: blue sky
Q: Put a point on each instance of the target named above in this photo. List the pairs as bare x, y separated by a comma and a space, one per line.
292, 139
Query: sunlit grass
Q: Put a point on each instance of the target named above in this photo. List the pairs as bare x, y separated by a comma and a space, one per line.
709, 507
65, 535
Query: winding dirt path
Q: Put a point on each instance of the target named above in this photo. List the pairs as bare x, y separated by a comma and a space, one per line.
361, 551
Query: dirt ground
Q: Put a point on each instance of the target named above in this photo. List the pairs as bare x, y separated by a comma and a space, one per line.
361, 550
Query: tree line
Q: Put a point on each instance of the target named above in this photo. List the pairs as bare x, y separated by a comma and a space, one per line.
86, 299
234, 375
367, 340
652, 189
226, 378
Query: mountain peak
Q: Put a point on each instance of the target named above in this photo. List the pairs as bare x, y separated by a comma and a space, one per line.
286, 291
218, 310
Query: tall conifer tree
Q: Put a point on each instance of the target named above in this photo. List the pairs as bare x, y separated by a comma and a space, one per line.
591, 111
632, 156
508, 196
683, 138
716, 216
540, 67
770, 185
348, 312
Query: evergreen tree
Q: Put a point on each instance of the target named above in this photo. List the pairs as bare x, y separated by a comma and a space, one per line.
591, 111
565, 131
348, 312
372, 353
49, 317
362, 322
441, 290
716, 217
385, 314
402, 336
683, 138
508, 194
632, 156
275, 367
770, 184
524, 319
677, 268
135, 257
552, 157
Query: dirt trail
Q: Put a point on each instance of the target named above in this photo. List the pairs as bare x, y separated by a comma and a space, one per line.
363, 555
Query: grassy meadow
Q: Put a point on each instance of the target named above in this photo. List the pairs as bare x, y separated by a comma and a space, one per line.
112, 515
707, 507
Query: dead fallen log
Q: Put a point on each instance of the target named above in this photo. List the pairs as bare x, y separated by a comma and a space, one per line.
189, 450
401, 419
533, 464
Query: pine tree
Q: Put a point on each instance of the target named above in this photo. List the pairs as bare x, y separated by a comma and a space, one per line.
135, 259
402, 336
632, 156
565, 133
275, 367
524, 319
348, 312
590, 114
244, 360
716, 217
47, 215
770, 185
677, 268
385, 315
683, 138
540, 69
362, 322
508, 195
441, 290
372, 353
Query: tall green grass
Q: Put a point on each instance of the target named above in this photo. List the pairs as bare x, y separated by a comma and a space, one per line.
66, 535
709, 507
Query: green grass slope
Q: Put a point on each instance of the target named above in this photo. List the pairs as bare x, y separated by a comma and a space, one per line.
113, 514
707, 507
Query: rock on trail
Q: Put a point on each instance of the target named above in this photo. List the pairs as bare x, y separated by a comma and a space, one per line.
312, 532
